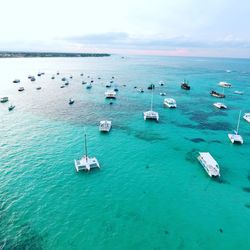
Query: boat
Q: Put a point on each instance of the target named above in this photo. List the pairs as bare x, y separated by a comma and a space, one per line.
66, 83
58, 73
86, 163
11, 107
105, 126
4, 99
116, 89
163, 94
238, 92
21, 89
247, 117
92, 81
16, 81
32, 79
71, 77
151, 86
140, 90
63, 86
81, 74
170, 103
110, 94
38, 88
161, 83
52, 77
220, 105
150, 114
225, 84
83, 82
216, 94
71, 101
89, 86
64, 79
185, 85
108, 85
235, 137
209, 164
39, 74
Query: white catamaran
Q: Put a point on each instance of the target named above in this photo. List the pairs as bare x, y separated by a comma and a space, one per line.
151, 114
236, 138
86, 163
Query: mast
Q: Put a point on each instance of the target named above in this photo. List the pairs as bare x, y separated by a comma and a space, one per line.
85, 144
238, 123
151, 106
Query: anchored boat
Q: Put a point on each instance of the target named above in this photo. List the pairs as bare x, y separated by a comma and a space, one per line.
209, 164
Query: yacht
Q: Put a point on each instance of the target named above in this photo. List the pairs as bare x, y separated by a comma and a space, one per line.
86, 163
4, 99
21, 89
209, 164
105, 126
247, 117
110, 94
71, 101
150, 114
170, 103
225, 84
216, 94
220, 105
11, 107
185, 85
235, 137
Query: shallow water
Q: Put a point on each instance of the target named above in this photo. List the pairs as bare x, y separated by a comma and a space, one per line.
151, 193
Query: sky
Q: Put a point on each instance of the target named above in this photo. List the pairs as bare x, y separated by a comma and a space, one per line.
217, 28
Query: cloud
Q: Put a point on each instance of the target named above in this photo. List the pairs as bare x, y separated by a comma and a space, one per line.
123, 40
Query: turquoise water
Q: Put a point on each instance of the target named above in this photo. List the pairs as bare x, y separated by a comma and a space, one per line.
151, 193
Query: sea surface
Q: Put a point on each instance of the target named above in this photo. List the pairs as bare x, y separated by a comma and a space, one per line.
151, 192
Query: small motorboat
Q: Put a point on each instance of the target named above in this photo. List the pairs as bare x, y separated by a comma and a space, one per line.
238, 92
89, 86
81, 74
92, 81
66, 83
140, 90
116, 89
21, 89
83, 82
71, 77
11, 107
110, 94
111, 81
4, 99
170, 103
32, 79
151, 86
220, 105
108, 85
161, 83
163, 93
99, 78
247, 117
216, 94
63, 86
16, 81
64, 79
52, 77
58, 73
38, 88
225, 84
105, 126
185, 85
71, 101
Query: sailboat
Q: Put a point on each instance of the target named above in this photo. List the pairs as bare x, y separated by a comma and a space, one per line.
86, 162
236, 138
151, 114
